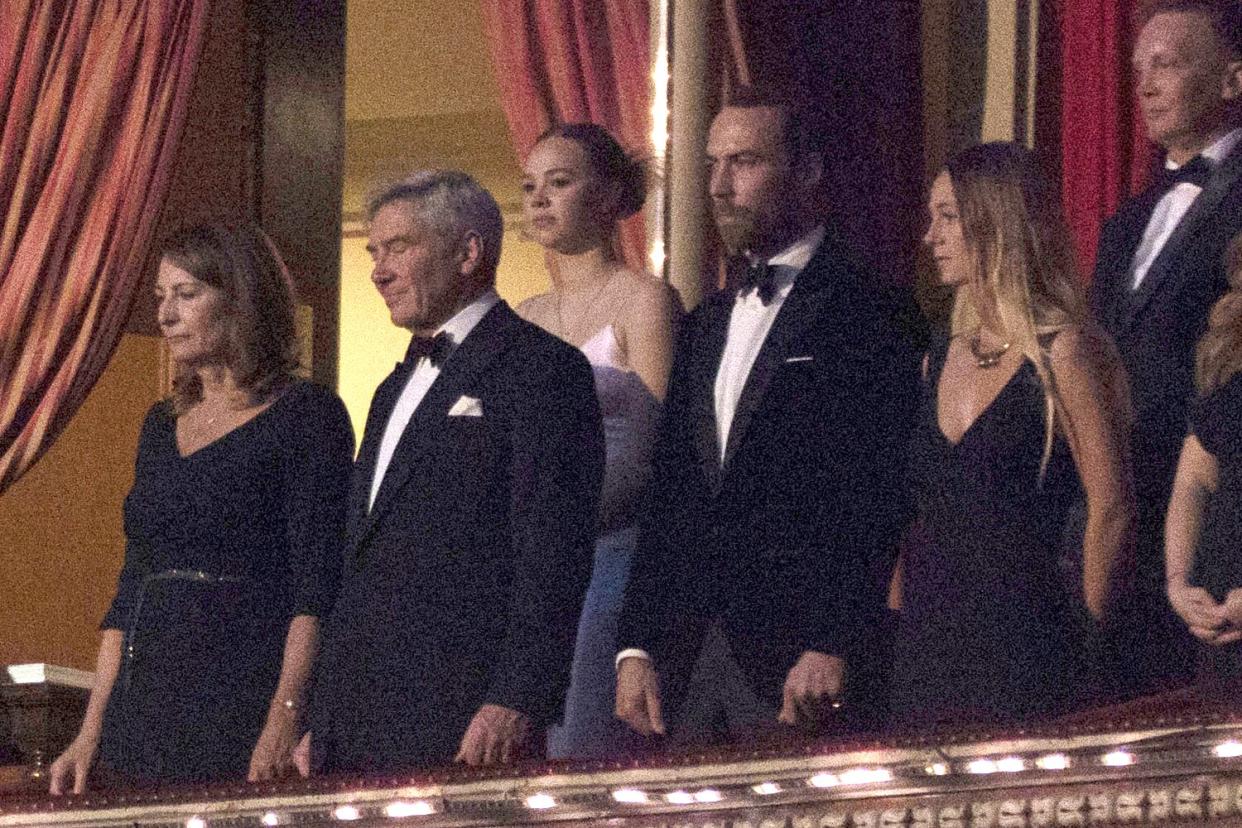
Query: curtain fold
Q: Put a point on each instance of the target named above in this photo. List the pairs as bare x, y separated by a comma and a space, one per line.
95, 97
1105, 154
562, 61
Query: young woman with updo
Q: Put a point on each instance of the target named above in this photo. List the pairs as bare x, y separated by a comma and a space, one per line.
578, 184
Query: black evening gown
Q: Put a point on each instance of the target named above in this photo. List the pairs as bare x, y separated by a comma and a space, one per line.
1216, 420
990, 631
224, 547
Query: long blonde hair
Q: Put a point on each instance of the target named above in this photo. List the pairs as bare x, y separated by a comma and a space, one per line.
1023, 261
1219, 353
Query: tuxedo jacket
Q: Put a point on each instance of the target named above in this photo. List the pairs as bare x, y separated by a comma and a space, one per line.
1157, 327
789, 542
464, 581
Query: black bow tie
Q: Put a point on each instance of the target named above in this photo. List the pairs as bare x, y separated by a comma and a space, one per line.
435, 348
1196, 171
760, 277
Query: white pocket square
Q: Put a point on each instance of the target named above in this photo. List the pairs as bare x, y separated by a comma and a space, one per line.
800, 359
467, 407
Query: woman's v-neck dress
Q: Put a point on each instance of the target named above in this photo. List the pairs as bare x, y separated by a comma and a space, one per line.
224, 547
989, 632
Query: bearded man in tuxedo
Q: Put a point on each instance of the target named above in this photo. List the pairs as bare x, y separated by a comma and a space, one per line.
757, 592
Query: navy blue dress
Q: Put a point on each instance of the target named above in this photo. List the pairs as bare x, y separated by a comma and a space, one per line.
1216, 420
224, 547
990, 631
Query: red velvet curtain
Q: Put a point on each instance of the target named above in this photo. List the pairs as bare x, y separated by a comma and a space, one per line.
561, 61
1105, 153
93, 96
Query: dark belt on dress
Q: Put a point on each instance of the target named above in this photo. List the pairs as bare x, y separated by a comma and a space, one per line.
193, 575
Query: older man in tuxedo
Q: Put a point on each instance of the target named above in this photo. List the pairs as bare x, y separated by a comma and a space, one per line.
473, 513
757, 592
1158, 272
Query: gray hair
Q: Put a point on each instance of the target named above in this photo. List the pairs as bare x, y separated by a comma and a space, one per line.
453, 204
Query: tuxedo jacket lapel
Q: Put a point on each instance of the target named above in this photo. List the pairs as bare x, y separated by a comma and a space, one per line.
708, 350
1116, 258
426, 426
364, 466
796, 315
1166, 266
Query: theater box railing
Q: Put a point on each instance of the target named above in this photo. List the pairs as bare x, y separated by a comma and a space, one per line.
1175, 759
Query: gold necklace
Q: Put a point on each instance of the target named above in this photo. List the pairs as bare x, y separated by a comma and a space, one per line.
560, 319
986, 359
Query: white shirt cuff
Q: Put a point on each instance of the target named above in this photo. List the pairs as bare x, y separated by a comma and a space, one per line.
632, 652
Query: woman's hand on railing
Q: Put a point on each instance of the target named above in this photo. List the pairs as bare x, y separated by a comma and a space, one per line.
75, 763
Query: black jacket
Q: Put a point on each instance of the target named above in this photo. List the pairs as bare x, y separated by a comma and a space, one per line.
464, 583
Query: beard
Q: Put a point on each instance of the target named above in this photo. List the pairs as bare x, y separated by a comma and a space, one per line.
745, 230
737, 227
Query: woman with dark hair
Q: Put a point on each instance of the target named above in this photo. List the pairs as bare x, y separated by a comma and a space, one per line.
1025, 410
233, 534
578, 184
1203, 531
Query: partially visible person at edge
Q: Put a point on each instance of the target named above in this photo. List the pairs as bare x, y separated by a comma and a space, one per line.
578, 184
1158, 271
1024, 410
1203, 531
234, 528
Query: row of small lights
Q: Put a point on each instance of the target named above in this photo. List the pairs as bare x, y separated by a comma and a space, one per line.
855, 776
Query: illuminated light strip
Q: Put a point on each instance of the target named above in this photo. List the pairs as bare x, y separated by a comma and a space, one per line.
346, 813
1228, 750
679, 798
540, 801
271, 819
767, 788
708, 795
1053, 761
631, 796
397, 810
866, 776
657, 256
1118, 759
1010, 764
196, 822
824, 780
660, 77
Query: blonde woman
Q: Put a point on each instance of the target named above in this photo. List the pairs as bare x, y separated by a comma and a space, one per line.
1203, 531
1024, 412
578, 184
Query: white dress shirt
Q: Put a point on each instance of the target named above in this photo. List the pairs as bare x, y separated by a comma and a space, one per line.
1172, 208
420, 381
749, 325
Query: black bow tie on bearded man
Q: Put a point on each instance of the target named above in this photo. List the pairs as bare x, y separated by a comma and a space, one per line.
758, 276
435, 348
